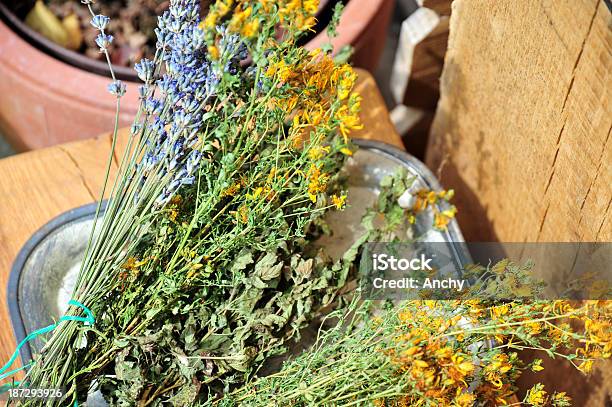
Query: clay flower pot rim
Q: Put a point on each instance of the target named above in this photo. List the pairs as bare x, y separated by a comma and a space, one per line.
71, 57
53, 101
99, 67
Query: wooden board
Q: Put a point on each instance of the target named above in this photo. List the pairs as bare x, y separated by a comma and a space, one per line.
522, 133
39, 185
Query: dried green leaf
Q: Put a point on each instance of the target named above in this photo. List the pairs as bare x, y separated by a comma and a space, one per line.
242, 261
267, 268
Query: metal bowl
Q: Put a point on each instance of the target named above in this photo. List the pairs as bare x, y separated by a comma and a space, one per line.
44, 273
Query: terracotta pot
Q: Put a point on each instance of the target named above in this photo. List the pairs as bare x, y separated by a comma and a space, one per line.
363, 25
44, 101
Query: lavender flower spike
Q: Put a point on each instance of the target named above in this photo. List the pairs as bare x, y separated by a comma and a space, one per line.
145, 69
100, 22
187, 83
117, 88
104, 41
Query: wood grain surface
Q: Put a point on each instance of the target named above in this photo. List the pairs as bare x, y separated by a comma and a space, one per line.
39, 185
522, 133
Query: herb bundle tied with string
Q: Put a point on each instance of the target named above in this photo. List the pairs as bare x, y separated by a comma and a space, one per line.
196, 270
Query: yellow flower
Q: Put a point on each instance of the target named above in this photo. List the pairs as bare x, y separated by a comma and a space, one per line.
421, 364
464, 399
256, 193
213, 51
271, 175
311, 6
447, 195
494, 378
465, 367
218, 11
561, 399
432, 197
499, 311
536, 366
281, 69
318, 80
210, 21
223, 6
346, 151
354, 103
339, 201
317, 181
318, 152
250, 29
133, 264
239, 18
299, 13
232, 190
346, 78
243, 214
441, 221
534, 328
314, 114
267, 4
289, 104
172, 214
536, 396
586, 366
347, 122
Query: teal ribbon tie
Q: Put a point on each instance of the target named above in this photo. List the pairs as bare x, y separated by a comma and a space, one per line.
88, 320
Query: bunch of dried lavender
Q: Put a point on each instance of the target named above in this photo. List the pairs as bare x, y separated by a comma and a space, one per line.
198, 270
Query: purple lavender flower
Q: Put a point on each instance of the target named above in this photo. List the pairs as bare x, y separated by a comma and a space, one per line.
143, 91
117, 88
193, 161
104, 41
190, 81
152, 106
100, 22
145, 69
234, 47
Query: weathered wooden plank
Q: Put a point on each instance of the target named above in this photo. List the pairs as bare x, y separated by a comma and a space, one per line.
523, 126
522, 133
374, 113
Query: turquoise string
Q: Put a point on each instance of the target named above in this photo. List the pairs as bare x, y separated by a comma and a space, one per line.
88, 320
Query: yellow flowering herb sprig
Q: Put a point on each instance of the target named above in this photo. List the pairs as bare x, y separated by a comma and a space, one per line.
460, 352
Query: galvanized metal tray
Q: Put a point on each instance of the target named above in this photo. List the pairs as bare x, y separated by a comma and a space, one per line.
44, 273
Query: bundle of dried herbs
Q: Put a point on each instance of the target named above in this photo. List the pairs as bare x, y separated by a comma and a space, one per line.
199, 269
420, 352
463, 353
